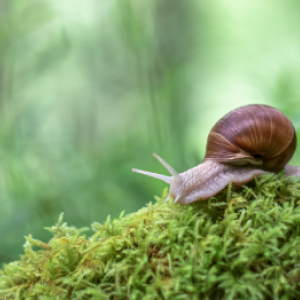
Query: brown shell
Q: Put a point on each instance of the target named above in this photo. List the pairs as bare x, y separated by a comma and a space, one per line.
253, 134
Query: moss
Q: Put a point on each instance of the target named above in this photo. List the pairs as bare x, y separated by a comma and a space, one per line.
242, 244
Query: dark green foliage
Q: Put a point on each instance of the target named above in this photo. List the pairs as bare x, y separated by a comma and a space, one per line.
242, 244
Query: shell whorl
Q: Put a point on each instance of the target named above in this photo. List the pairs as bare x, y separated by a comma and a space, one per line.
254, 134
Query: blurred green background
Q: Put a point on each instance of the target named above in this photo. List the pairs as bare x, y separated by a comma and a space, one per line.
89, 89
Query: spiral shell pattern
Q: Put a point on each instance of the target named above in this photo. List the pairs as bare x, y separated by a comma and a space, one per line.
253, 135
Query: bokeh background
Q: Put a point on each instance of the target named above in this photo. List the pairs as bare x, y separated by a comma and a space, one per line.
89, 89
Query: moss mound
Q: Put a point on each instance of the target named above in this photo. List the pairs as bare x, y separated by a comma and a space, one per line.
243, 244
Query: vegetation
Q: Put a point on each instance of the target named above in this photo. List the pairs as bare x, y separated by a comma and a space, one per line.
90, 89
242, 244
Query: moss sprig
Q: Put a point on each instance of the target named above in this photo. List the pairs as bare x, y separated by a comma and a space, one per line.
242, 244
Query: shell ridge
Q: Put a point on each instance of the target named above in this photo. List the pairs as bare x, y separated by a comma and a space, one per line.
257, 132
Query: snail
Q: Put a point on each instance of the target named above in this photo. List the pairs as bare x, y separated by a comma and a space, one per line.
247, 142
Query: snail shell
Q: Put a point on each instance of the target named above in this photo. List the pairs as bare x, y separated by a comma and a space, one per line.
258, 135
247, 142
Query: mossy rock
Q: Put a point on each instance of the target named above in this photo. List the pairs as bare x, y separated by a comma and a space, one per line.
242, 244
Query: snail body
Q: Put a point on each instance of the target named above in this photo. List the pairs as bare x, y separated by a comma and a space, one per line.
247, 142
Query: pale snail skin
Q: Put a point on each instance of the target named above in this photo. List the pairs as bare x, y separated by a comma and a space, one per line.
247, 142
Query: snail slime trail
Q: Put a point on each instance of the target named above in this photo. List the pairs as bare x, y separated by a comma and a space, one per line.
249, 141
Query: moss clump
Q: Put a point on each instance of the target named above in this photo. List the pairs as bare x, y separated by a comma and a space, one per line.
243, 244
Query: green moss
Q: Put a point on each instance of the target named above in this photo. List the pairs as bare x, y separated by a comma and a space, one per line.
242, 244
